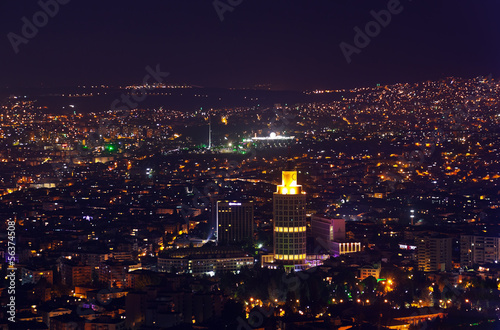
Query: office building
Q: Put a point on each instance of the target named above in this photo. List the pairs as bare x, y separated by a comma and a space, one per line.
289, 222
479, 250
74, 273
328, 229
330, 234
434, 253
234, 221
289, 228
205, 260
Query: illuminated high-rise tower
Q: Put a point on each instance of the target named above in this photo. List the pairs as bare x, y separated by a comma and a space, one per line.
289, 222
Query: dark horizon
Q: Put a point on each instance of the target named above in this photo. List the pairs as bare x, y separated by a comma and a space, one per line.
288, 46
20, 89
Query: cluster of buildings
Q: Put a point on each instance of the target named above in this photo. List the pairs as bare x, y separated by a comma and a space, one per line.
123, 224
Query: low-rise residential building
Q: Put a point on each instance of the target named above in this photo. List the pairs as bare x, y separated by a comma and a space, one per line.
203, 260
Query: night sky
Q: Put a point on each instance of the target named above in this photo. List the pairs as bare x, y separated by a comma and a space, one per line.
285, 44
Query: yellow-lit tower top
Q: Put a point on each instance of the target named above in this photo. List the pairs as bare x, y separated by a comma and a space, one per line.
289, 184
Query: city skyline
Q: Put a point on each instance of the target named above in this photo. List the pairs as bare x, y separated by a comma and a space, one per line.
237, 164
118, 208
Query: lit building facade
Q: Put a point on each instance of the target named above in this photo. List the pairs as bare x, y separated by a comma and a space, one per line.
32, 276
370, 270
339, 248
328, 229
234, 221
330, 234
434, 253
205, 260
74, 273
289, 222
475, 249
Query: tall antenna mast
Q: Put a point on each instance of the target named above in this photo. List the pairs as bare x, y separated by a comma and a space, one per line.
209, 132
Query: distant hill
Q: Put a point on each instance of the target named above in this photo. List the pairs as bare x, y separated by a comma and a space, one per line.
183, 99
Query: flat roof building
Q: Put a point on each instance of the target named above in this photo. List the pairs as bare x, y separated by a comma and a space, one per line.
235, 221
204, 260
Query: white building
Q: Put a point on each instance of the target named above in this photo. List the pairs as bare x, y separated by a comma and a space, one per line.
331, 233
475, 249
